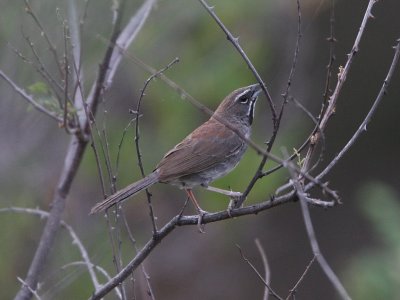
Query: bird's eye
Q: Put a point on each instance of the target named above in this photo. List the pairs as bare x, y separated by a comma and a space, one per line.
244, 99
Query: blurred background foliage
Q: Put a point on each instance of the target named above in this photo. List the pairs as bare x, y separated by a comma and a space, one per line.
359, 238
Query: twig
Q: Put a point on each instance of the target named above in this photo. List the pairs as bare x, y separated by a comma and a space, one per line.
315, 247
137, 137
329, 68
312, 237
266, 267
43, 32
275, 295
341, 79
41, 68
114, 54
363, 126
317, 129
29, 98
293, 290
235, 43
259, 173
180, 220
66, 78
120, 146
285, 95
76, 32
34, 292
99, 269
133, 241
75, 239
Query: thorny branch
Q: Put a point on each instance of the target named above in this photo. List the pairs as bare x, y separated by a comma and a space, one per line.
259, 173
312, 236
299, 182
137, 137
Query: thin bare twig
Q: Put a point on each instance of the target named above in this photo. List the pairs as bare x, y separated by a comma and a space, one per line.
124, 132
235, 43
29, 98
133, 241
275, 120
293, 290
329, 68
363, 126
76, 31
43, 32
75, 239
137, 137
330, 109
299, 189
315, 247
285, 95
275, 295
41, 68
98, 268
266, 267
259, 173
115, 54
317, 129
34, 292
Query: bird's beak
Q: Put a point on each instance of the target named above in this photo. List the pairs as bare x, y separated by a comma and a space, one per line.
255, 89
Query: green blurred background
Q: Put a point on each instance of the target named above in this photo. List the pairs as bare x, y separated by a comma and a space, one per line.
361, 238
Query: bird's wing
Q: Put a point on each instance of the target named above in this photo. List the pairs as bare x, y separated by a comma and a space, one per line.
208, 145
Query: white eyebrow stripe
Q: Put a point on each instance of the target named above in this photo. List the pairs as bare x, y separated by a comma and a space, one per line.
241, 94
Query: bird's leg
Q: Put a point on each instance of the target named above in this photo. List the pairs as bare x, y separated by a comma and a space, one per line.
201, 212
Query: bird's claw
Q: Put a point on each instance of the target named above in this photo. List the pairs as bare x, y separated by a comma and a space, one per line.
201, 226
235, 198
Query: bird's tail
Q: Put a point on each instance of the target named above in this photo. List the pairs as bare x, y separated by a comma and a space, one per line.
126, 192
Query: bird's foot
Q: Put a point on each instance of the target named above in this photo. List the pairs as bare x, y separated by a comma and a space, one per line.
235, 198
201, 226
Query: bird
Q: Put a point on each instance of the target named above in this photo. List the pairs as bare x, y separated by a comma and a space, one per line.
211, 151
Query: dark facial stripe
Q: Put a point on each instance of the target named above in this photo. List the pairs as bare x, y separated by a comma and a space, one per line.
251, 110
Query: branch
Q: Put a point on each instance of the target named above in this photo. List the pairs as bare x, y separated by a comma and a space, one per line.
180, 220
72, 161
34, 292
99, 269
296, 286
363, 126
312, 237
259, 173
235, 43
266, 267
75, 239
29, 98
43, 33
315, 247
276, 296
137, 137
114, 54
343, 72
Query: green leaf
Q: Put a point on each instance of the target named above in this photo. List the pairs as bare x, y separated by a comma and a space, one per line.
39, 87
